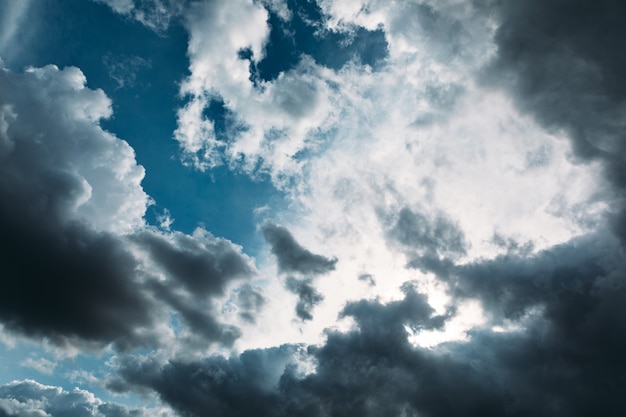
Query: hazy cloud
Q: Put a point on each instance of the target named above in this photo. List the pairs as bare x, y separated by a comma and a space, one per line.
565, 362
154, 14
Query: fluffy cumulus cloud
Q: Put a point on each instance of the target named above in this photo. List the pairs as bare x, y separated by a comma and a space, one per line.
453, 243
79, 264
29, 399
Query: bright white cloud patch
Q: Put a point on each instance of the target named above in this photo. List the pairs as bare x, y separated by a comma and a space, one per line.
355, 146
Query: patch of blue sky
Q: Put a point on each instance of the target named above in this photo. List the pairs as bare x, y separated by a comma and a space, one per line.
304, 34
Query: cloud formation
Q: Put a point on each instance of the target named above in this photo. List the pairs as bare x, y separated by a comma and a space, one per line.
294, 259
154, 14
291, 256
565, 361
80, 266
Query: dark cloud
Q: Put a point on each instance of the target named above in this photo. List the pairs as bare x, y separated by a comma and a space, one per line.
566, 359
241, 386
438, 236
291, 256
61, 279
199, 267
564, 61
77, 263
369, 278
197, 312
308, 296
203, 264
29, 398
249, 301
70, 283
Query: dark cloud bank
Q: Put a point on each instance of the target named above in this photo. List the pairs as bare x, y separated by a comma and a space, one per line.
568, 361
294, 259
562, 61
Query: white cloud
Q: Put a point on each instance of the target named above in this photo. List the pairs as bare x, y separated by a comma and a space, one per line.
108, 194
41, 365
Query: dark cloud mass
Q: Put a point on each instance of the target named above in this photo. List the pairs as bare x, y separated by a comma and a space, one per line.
70, 283
567, 361
203, 266
564, 62
71, 209
437, 236
291, 256
308, 296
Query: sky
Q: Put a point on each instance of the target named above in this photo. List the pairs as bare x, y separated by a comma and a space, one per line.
312, 208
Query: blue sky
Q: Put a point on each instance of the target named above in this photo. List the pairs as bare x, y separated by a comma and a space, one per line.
312, 208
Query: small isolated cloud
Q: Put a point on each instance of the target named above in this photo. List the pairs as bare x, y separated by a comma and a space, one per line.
154, 14
41, 365
124, 70
291, 256
308, 296
13, 14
